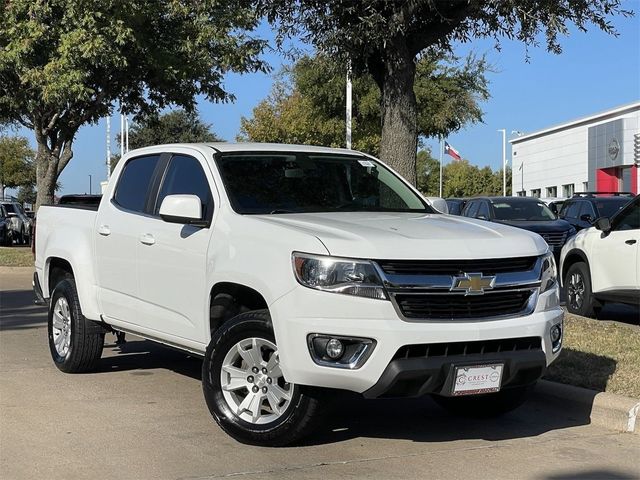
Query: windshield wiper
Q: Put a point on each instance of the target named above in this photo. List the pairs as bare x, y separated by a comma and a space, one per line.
280, 210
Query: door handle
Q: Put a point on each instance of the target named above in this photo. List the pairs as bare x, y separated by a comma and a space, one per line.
147, 239
630, 241
104, 230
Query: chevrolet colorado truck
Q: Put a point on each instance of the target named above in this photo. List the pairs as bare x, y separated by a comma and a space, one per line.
295, 271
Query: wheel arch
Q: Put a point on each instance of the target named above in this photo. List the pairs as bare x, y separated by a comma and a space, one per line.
574, 256
245, 297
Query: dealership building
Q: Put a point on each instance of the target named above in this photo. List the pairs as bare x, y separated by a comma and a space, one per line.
596, 153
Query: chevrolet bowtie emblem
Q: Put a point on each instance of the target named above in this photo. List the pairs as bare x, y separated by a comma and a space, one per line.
473, 283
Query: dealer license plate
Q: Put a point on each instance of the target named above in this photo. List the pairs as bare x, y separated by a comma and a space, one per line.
478, 379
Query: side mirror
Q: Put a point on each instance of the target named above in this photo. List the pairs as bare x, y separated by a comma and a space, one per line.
185, 209
586, 218
603, 224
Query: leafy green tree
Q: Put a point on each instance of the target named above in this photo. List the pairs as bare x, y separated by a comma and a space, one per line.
66, 63
16, 163
27, 194
384, 38
307, 104
176, 126
428, 173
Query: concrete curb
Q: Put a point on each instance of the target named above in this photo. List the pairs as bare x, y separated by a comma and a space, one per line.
604, 409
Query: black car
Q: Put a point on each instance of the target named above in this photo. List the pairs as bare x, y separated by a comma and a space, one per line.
456, 205
583, 209
6, 237
522, 212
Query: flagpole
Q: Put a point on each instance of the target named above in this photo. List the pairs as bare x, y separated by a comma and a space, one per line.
348, 112
441, 150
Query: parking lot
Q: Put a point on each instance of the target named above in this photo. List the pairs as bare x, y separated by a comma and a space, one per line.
142, 415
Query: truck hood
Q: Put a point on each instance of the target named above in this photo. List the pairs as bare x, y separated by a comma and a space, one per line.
391, 235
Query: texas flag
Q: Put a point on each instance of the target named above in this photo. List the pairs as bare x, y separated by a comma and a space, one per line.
449, 150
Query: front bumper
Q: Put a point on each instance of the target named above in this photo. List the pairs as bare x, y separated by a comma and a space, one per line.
414, 377
303, 312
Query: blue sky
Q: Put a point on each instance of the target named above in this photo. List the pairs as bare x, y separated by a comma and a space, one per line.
595, 72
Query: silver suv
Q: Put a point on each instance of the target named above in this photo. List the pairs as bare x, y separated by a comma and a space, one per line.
19, 223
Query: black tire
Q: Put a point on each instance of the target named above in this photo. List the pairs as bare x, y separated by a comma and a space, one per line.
487, 405
301, 416
8, 239
577, 284
86, 339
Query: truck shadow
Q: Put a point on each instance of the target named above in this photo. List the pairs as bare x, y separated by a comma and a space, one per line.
138, 355
18, 312
351, 416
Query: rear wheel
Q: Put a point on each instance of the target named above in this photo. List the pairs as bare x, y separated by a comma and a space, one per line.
246, 391
486, 405
75, 342
580, 299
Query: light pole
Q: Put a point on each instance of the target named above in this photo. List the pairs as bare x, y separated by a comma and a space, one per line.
518, 133
90, 184
348, 112
504, 161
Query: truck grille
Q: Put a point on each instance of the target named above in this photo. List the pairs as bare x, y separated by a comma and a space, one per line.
450, 306
453, 267
555, 239
430, 350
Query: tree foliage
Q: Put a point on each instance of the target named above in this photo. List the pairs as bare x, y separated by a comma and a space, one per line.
16, 162
307, 104
66, 63
384, 38
176, 126
459, 178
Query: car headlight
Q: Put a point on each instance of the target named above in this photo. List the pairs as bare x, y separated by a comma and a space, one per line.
338, 275
549, 275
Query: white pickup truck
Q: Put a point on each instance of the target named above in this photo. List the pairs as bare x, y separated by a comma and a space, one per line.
293, 270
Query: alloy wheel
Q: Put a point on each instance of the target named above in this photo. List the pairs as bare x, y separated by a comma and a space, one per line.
252, 383
61, 323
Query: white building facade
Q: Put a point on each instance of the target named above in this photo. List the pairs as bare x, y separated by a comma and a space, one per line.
596, 153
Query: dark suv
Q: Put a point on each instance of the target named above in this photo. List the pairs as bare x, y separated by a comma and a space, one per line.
583, 209
523, 212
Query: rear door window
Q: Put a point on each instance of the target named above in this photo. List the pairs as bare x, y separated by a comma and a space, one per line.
133, 184
471, 210
483, 210
571, 210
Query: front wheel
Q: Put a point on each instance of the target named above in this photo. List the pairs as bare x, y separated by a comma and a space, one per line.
486, 405
246, 391
580, 299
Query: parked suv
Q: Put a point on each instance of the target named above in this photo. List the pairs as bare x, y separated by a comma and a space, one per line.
523, 212
293, 270
602, 263
19, 222
6, 233
583, 209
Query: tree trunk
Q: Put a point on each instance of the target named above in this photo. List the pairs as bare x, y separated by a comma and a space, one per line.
399, 142
49, 166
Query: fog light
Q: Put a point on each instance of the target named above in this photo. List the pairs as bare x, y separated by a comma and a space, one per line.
556, 337
334, 349
555, 333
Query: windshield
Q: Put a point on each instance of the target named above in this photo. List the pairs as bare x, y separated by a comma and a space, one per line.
522, 211
302, 182
609, 208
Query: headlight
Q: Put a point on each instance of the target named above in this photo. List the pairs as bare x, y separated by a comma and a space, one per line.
549, 276
338, 275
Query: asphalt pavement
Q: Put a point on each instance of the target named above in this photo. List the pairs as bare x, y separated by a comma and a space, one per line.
142, 416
